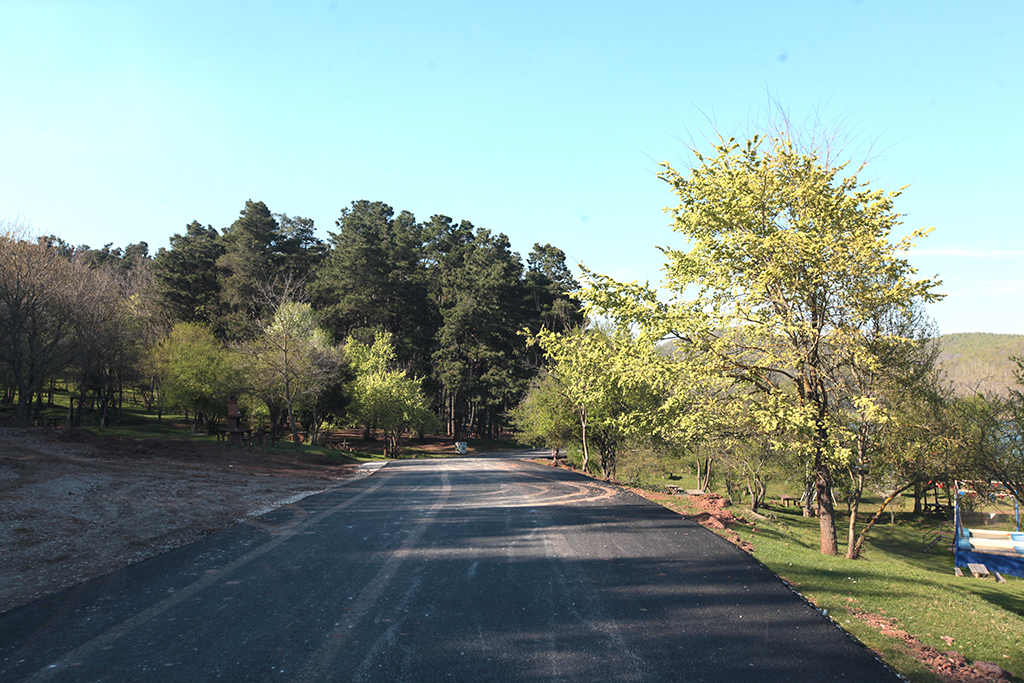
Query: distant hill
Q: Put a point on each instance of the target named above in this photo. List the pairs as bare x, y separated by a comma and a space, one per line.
973, 361
980, 361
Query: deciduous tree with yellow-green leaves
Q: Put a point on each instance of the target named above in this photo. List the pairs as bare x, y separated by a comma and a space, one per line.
291, 358
385, 397
788, 267
198, 373
614, 385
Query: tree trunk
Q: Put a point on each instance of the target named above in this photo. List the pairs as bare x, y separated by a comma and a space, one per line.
606, 447
583, 431
314, 426
704, 474
758, 489
808, 497
826, 514
449, 413
294, 428
24, 406
470, 419
762, 492
80, 415
854, 509
859, 546
858, 488
289, 400
730, 490
104, 408
484, 424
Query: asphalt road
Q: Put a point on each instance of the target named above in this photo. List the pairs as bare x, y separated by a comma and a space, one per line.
473, 569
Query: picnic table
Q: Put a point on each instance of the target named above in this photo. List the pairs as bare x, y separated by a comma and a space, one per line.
936, 508
244, 436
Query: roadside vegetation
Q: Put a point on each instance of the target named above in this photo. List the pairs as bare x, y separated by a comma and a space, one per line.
335, 444
392, 325
786, 353
901, 599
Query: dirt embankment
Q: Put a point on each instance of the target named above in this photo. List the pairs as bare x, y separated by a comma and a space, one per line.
73, 507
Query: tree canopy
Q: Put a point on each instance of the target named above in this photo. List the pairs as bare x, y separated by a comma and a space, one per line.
199, 374
385, 397
291, 358
789, 266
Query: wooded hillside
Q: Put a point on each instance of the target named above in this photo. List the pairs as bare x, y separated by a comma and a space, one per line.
980, 361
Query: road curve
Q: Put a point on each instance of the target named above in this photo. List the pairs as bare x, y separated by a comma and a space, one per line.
470, 569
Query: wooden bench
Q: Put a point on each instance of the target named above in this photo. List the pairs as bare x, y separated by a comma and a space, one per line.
680, 491
786, 501
980, 571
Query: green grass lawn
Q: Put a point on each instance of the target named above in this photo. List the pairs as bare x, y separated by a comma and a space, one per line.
984, 619
894, 580
137, 423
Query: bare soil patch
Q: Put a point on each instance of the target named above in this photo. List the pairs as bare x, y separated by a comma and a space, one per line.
73, 507
949, 666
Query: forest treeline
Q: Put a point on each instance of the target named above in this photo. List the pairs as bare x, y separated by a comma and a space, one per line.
788, 341
265, 309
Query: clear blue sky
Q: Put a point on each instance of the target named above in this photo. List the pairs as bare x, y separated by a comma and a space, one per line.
124, 121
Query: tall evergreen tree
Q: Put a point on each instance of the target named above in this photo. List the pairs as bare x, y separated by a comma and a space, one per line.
185, 276
374, 280
478, 360
247, 265
265, 254
549, 284
298, 251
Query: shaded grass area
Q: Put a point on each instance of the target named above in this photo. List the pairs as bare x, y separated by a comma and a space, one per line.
138, 424
905, 587
337, 445
981, 619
